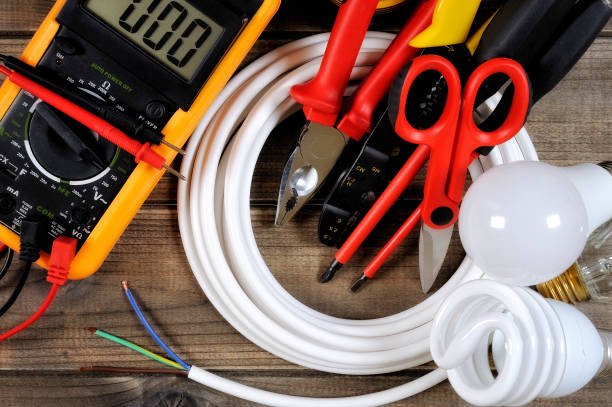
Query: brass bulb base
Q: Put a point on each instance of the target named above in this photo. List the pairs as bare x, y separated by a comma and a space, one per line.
568, 287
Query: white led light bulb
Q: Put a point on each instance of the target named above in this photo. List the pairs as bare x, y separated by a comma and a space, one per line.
526, 222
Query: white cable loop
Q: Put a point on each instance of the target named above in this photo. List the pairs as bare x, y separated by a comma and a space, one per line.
215, 223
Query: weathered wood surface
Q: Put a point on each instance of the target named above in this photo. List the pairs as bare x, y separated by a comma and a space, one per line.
572, 124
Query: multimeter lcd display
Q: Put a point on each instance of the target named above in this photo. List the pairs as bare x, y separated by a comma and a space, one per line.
172, 31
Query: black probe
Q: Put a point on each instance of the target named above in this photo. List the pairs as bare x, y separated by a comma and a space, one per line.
70, 138
126, 122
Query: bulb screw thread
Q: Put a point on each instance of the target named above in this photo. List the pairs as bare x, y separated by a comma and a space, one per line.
606, 165
568, 287
606, 365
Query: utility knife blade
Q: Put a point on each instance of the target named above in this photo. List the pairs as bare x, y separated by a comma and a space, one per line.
433, 245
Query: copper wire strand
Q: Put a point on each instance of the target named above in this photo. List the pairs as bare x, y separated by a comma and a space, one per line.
107, 369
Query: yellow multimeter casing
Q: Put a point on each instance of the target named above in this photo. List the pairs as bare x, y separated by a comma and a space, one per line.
144, 178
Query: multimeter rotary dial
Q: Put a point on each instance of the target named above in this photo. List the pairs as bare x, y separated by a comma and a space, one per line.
64, 150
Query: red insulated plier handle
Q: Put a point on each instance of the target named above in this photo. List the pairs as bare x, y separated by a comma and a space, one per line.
322, 96
358, 120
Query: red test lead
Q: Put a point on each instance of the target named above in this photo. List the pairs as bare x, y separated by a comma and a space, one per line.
141, 152
62, 254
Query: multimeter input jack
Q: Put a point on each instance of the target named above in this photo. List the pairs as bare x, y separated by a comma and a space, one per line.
7, 203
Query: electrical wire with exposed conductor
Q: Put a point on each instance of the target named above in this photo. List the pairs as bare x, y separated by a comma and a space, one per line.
139, 349
108, 369
148, 327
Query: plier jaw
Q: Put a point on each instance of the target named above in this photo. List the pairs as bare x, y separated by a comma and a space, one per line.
317, 151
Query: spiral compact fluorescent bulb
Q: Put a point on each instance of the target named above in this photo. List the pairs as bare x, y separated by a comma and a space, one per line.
541, 347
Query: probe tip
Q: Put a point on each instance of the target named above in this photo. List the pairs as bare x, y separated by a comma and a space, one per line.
175, 173
125, 285
175, 148
359, 283
331, 271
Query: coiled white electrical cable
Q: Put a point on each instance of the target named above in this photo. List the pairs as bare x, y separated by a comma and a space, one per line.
215, 224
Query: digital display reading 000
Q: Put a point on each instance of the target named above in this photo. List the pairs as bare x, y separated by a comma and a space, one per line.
172, 31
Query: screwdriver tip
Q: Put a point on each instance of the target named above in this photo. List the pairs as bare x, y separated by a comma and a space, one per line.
175, 148
175, 173
331, 271
359, 283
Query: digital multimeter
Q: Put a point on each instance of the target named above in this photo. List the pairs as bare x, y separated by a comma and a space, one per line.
165, 60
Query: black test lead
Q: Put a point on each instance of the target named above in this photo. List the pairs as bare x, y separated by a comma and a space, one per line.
126, 122
70, 138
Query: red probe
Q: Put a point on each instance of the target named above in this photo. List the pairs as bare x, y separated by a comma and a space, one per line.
141, 152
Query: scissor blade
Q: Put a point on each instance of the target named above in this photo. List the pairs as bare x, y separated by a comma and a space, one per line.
433, 245
318, 148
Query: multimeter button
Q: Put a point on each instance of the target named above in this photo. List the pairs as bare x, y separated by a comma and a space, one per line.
155, 110
80, 215
66, 45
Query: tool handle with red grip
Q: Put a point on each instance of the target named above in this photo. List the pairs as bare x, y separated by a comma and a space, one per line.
391, 194
100, 126
358, 120
397, 239
322, 96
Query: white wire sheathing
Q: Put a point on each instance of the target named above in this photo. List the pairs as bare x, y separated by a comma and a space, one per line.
215, 224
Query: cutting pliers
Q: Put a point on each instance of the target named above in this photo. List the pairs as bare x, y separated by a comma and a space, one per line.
324, 137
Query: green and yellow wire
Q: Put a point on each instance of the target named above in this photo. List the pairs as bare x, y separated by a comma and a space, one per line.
136, 348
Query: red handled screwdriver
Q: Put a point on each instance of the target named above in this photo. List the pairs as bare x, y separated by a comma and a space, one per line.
141, 152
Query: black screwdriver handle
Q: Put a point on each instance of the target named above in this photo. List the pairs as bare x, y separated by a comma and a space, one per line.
589, 17
521, 30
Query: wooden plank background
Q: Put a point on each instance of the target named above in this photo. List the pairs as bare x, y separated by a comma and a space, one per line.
40, 366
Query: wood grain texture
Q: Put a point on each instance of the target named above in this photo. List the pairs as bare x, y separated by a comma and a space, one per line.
572, 124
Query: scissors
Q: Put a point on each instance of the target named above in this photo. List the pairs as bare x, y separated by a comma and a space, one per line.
450, 144
332, 124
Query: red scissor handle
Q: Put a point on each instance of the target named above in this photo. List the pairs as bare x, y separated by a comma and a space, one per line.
440, 137
447, 121
469, 136
322, 96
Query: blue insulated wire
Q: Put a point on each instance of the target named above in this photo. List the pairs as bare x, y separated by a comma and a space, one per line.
148, 327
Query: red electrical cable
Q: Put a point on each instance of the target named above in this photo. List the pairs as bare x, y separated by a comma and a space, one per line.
62, 254
34, 317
